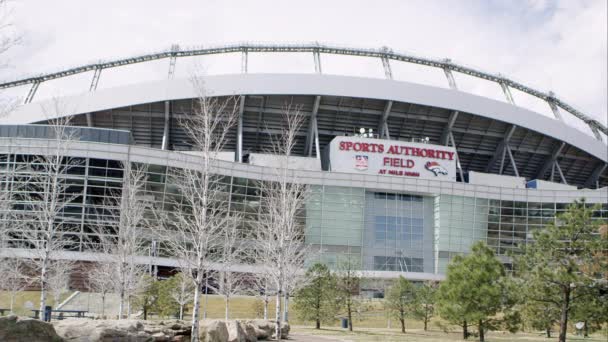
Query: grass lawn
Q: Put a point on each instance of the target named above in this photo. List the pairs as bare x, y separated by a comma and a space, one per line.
24, 297
415, 335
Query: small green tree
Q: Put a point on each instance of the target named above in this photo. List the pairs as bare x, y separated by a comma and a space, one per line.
473, 291
560, 260
592, 310
401, 300
425, 302
147, 298
348, 281
178, 291
317, 300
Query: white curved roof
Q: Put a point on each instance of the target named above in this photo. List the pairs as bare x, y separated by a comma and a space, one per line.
310, 84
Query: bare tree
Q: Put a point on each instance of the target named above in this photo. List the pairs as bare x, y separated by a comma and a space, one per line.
229, 281
49, 193
182, 292
193, 229
262, 287
120, 227
280, 237
101, 280
13, 278
58, 280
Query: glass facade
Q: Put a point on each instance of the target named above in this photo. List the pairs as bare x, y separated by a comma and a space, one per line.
386, 231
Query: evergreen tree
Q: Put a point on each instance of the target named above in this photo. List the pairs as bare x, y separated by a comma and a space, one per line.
425, 302
557, 266
317, 300
401, 300
473, 291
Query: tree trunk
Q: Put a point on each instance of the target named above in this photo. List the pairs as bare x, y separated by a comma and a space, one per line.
318, 324
426, 321
206, 295
278, 316
227, 306
402, 325
286, 307
586, 334
195, 311
145, 312
12, 301
121, 305
181, 311
481, 335
103, 305
350, 316
266, 300
465, 330
563, 321
548, 331
42, 290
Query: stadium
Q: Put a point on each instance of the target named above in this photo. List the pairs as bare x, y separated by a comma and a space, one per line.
405, 176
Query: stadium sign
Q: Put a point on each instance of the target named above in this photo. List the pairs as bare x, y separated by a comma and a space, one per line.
393, 158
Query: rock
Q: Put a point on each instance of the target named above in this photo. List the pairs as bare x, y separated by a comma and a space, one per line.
264, 329
236, 331
213, 331
17, 329
80, 330
250, 333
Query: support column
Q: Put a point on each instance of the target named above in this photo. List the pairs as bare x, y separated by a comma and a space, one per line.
312, 135
172, 61
239, 131
595, 175
507, 92
512, 160
388, 72
167, 126
596, 132
244, 61
383, 124
449, 75
553, 107
500, 149
448, 128
32, 92
458, 165
561, 174
317, 57
550, 160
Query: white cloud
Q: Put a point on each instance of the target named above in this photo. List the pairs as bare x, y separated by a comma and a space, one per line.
552, 45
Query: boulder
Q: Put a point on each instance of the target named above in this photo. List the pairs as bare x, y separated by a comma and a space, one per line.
263, 328
236, 333
79, 330
213, 331
17, 329
250, 333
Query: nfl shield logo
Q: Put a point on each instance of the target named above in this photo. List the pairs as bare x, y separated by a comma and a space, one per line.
361, 162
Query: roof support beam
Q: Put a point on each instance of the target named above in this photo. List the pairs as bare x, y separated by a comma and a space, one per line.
450, 76
166, 128
550, 160
595, 175
244, 59
172, 61
554, 107
507, 91
32, 92
500, 149
238, 157
513, 165
596, 131
448, 128
95, 80
383, 124
312, 135
561, 174
388, 72
458, 166
317, 58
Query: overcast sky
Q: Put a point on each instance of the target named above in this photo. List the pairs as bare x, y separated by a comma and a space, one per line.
551, 45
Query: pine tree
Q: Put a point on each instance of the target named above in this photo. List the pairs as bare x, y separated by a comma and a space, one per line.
317, 300
425, 298
473, 291
560, 267
401, 300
